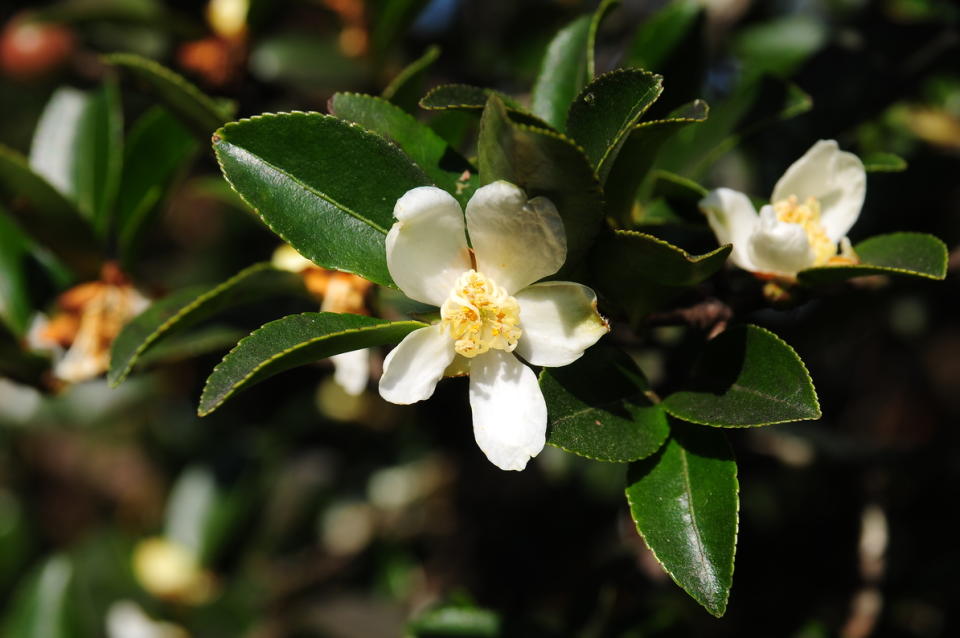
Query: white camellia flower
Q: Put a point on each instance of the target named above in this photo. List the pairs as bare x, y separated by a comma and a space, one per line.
813, 206
490, 308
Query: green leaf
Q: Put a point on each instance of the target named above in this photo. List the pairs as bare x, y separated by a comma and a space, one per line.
391, 19
428, 150
43, 606
543, 163
684, 502
660, 35
639, 273
473, 99
158, 146
605, 112
201, 113
563, 73
605, 7
449, 621
16, 309
911, 254
884, 163
598, 407
78, 147
293, 341
781, 45
746, 377
47, 216
190, 306
323, 185
407, 87
180, 347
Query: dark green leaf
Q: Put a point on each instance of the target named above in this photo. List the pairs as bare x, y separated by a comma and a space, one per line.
684, 501
47, 216
543, 163
293, 341
605, 112
638, 154
323, 185
428, 150
190, 306
563, 73
43, 606
199, 111
746, 377
407, 87
391, 19
179, 347
605, 7
639, 272
452, 621
657, 38
473, 99
598, 408
884, 163
16, 308
158, 146
912, 254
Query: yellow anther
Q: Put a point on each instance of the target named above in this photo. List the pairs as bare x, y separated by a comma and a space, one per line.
807, 215
479, 315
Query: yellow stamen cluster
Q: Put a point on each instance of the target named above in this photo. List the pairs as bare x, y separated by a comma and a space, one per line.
479, 315
807, 215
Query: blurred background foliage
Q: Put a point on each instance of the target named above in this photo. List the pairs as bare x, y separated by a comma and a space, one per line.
298, 510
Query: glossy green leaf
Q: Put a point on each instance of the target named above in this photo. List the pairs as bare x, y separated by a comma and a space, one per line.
631, 166
323, 185
407, 87
158, 146
294, 341
601, 12
543, 163
598, 407
684, 502
451, 621
661, 34
884, 163
605, 112
42, 606
639, 273
473, 99
16, 308
190, 306
563, 72
199, 111
428, 150
746, 377
910, 254
47, 216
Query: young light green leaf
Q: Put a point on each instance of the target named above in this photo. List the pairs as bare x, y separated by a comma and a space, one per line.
746, 377
48, 217
198, 111
639, 273
598, 407
684, 502
407, 87
543, 163
606, 111
563, 73
190, 306
16, 309
293, 341
629, 170
884, 163
158, 146
429, 151
325, 186
908, 254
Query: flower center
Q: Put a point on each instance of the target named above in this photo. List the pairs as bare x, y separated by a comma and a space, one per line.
807, 215
479, 315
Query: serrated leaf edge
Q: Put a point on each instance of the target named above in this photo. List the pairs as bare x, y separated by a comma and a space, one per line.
944, 261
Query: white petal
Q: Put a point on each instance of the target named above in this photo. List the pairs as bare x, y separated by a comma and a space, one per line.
351, 370
779, 247
412, 369
733, 219
834, 177
509, 412
427, 247
516, 242
559, 320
